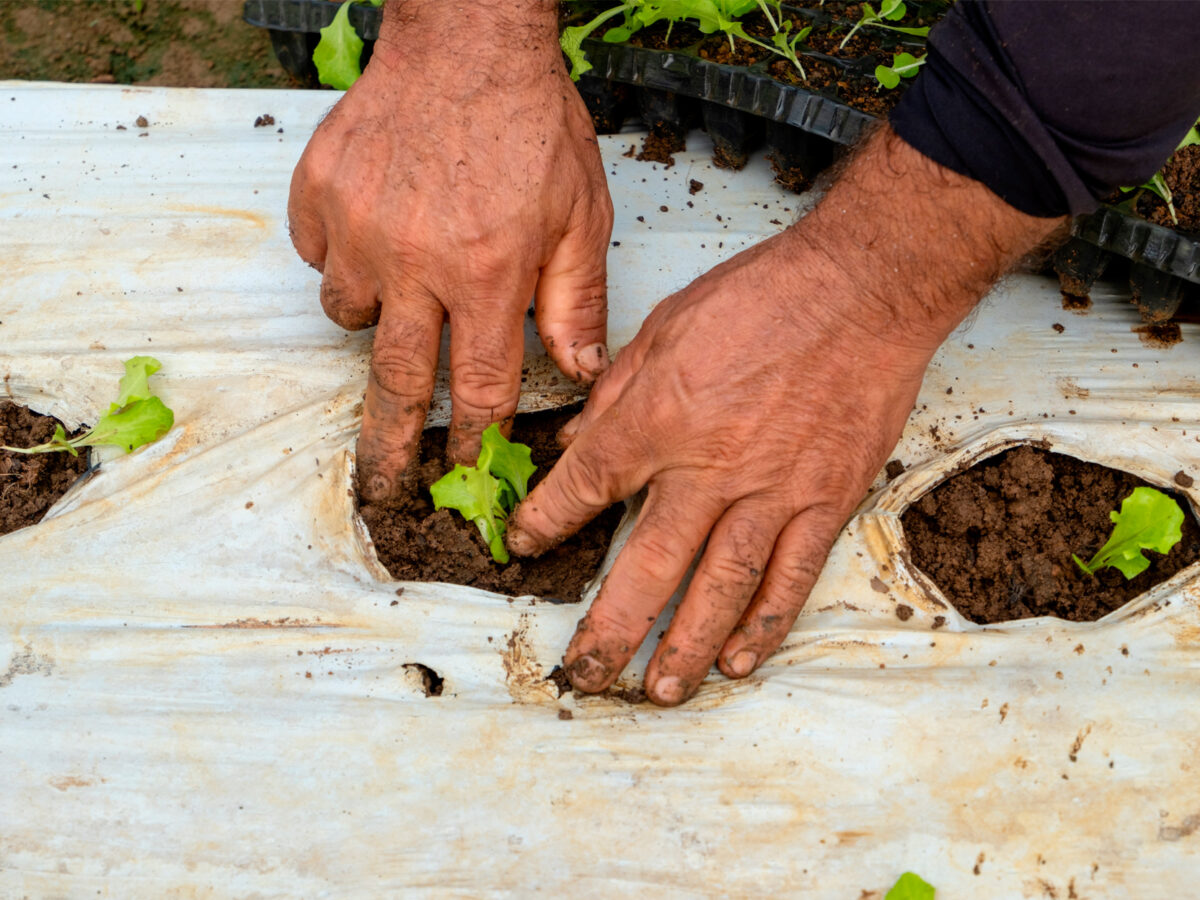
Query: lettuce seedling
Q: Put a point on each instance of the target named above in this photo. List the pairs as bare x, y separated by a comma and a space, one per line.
338, 53
1148, 520
137, 418
1158, 185
889, 11
488, 491
911, 886
904, 65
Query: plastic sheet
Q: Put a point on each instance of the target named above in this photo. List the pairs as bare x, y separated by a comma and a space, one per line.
207, 688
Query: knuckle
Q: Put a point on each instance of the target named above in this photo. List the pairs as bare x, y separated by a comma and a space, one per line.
401, 373
585, 481
616, 628
656, 558
485, 382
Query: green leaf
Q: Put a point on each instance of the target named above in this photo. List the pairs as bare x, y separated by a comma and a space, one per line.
135, 383
886, 77
512, 462
911, 886
474, 493
892, 10
339, 51
1148, 520
131, 426
618, 34
1191, 139
571, 41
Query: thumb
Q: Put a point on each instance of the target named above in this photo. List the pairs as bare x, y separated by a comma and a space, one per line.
572, 299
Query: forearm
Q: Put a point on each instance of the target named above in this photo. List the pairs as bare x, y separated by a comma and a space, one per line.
917, 243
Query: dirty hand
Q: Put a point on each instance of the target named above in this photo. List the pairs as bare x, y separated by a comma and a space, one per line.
757, 405
457, 177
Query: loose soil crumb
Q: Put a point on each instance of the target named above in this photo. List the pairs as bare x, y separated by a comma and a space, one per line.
1076, 302
416, 543
660, 142
998, 538
30, 485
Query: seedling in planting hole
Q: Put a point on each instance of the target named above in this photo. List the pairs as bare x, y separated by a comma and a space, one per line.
889, 11
911, 886
488, 491
904, 65
137, 418
1158, 184
1148, 520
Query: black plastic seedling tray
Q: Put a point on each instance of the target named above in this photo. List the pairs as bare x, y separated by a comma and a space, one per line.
744, 107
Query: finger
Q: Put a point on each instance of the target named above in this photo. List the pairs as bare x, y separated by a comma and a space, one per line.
795, 565
724, 584
605, 465
606, 390
306, 227
403, 364
487, 349
646, 573
572, 301
349, 295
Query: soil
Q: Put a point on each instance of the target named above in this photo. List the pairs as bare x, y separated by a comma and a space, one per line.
660, 144
30, 485
1182, 175
182, 43
997, 539
416, 543
827, 78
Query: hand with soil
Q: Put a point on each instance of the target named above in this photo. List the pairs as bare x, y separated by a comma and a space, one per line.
757, 405
456, 178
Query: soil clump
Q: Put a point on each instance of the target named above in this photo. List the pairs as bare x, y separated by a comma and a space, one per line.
997, 539
31, 484
417, 543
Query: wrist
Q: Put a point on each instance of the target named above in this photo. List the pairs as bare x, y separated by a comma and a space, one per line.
493, 40
914, 244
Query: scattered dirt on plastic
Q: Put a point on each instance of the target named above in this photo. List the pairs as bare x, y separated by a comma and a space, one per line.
997, 539
1183, 479
695, 187
894, 468
416, 543
1182, 175
1164, 335
30, 485
1076, 302
660, 143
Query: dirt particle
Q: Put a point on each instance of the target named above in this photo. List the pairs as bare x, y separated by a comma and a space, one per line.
904, 612
141, 122
1183, 479
264, 121
979, 860
566, 715
1059, 327
1160, 336
1077, 745
695, 187
939, 621
1003, 711
894, 468
878, 585
1076, 302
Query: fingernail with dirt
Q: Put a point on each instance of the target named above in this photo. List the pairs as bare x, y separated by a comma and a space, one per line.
742, 663
519, 542
587, 674
669, 690
592, 359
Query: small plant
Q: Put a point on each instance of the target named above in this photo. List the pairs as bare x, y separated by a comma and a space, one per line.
339, 52
488, 491
137, 418
1158, 185
889, 11
710, 16
1148, 520
911, 886
904, 65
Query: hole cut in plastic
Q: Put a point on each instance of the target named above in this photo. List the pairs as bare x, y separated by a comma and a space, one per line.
997, 538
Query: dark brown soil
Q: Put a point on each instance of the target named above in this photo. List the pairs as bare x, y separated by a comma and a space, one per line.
416, 543
1182, 175
660, 143
30, 485
826, 78
998, 538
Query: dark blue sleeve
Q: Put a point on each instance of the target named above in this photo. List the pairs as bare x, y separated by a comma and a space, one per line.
1053, 105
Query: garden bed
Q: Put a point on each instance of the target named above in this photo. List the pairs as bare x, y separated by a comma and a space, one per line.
31, 484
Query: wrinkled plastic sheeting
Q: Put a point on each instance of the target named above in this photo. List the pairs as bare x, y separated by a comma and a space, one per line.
209, 687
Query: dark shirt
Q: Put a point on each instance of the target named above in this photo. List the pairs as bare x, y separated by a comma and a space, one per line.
1053, 105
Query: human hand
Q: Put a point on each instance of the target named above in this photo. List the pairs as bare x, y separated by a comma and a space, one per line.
454, 180
757, 405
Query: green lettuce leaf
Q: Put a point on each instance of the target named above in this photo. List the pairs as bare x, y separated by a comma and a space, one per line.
135, 384
509, 461
911, 886
1148, 520
338, 52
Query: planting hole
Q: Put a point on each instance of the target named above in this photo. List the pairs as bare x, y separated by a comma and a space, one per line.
431, 681
415, 542
997, 539
31, 484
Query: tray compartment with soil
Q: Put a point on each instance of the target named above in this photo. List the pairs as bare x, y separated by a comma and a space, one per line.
996, 539
414, 542
31, 483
